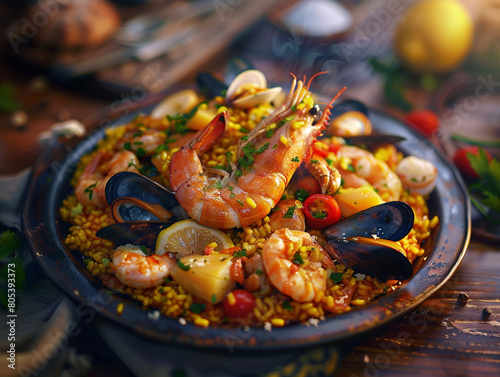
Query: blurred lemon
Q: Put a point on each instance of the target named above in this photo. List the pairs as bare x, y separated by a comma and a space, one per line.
434, 36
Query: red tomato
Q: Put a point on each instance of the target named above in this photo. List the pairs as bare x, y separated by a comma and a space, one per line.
321, 211
245, 302
310, 184
462, 162
425, 121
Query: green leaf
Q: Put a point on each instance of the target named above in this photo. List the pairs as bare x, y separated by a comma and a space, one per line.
301, 194
182, 265
240, 253
336, 277
289, 213
197, 308
9, 243
297, 258
286, 305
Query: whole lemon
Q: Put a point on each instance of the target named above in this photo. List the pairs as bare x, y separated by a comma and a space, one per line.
434, 36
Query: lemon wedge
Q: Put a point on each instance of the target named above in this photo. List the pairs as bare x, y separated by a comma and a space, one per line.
188, 237
179, 102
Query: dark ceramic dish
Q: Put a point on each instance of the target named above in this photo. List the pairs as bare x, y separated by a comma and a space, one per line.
45, 229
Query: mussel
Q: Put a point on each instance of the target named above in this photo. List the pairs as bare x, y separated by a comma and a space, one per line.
350, 118
133, 232
365, 241
134, 197
249, 89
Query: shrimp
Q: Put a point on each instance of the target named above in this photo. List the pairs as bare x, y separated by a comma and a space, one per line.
417, 175
294, 219
365, 169
266, 164
90, 187
293, 262
137, 270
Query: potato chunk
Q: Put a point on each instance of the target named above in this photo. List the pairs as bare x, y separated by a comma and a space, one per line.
205, 276
353, 200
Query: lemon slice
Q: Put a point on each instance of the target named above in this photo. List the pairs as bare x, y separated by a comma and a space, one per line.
188, 237
179, 102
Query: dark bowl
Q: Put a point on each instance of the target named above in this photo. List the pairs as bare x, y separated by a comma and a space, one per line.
45, 230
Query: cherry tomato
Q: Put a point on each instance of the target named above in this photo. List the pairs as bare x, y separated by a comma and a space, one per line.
321, 211
462, 162
243, 306
425, 121
309, 184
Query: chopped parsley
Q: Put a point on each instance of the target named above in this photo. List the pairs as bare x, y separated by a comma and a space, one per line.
249, 151
259, 272
289, 212
197, 308
329, 161
297, 258
244, 138
239, 201
166, 280
244, 130
296, 159
105, 262
214, 298
319, 215
301, 194
90, 190
182, 265
238, 173
127, 146
350, 167
138, 143
143, 249
161, 148
336, 277
140, 152
286, 305
269, 133
240, 253
218, 185
314, 161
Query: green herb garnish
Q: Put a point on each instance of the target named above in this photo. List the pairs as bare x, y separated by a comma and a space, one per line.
182, 265
197, 308
286, 305
296, 159
336, 277
289, 212
297, 258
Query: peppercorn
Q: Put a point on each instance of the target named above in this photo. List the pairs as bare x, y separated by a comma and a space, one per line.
463, 298
486, 312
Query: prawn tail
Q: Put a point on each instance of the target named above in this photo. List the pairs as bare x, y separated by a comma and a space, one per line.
206, 137
325, 117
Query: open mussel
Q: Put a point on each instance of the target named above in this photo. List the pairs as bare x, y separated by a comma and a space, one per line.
365, 241
134, 197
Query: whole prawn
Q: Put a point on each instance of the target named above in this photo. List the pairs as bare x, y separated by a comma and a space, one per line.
266, 164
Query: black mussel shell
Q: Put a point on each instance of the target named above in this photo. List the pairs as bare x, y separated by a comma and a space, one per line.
390, 221
133, 232
349, 105
210, 86
235, 66
132, 185
375, 258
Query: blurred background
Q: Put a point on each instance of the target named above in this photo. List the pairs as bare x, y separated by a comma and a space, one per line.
95, 60
70, 66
